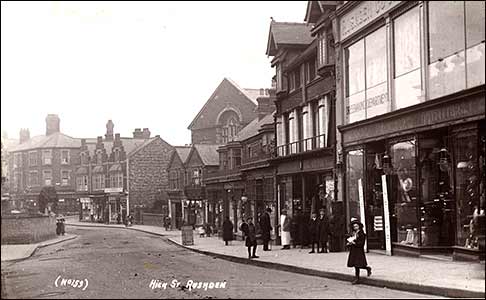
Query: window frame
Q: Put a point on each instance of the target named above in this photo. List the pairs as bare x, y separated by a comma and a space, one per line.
68, 160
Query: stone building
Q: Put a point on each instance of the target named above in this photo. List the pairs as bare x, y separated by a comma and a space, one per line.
119, 172
177, 181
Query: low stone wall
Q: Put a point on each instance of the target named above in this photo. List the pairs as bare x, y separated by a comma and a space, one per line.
24, 229
153, 219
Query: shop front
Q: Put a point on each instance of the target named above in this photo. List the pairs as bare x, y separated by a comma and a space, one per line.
428, 168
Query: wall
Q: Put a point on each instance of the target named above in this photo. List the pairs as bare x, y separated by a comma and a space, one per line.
148, 173
27, 229
153, 219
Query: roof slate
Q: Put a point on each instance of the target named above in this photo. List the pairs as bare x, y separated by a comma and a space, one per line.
208, 154
252, 129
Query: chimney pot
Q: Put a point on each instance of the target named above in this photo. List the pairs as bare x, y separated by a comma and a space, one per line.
52, 124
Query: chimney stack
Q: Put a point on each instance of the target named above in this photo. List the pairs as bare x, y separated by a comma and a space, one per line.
109, 131
138, 134
146, 133
52, 124
266, 104
24, 135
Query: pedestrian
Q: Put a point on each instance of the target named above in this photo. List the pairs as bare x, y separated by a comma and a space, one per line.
208, 230
285, 229
62, 226
314, 231
249, 230
266, 228
227, 231
357, 258
323, 231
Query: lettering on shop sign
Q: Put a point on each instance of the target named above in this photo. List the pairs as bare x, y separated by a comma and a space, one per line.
464, 108
363, 14
371, 102
189, 285
72, 282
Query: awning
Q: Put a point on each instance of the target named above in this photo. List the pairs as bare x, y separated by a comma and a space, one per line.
98, 169
81, 171
115, 168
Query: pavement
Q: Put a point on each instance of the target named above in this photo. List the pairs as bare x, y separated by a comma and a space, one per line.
24, 251
420, 275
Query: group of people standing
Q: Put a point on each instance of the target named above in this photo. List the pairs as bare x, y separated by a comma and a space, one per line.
318, 232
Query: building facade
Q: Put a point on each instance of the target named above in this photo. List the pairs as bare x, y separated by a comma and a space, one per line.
42, 168
177, 182
411, 115
305, 118
117, 176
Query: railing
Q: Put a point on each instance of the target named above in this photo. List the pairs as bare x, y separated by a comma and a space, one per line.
312, 143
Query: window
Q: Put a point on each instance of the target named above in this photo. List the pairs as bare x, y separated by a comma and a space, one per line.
47, 177
84, 158
99, 157
404, 191
223, 157
33, 178
64, 177
236, 158
355, 171
117, 155
475, 15
322, 49
82, 183
311, 70
279, 78
408, 82
116, 180
17, 160
196, 177
366, 77
17, 180
64, 157
47, 157
98, 181
33, 158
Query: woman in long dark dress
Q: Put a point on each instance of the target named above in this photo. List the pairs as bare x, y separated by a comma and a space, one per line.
357, 258
227, 231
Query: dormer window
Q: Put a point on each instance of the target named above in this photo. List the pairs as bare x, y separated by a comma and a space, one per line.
99, 157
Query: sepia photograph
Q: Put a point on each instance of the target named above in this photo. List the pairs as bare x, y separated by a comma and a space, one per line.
243, 149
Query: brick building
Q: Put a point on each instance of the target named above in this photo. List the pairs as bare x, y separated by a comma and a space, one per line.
244, 182
119, 172
228, 110
305, 115
44, 163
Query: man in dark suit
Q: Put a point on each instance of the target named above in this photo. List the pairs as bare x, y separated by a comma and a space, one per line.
249, 230
314, 231
266, 228
323, 231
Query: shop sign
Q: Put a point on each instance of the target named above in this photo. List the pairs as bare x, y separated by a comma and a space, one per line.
387, 216
378, 223
362, 15
113, 190
362, 209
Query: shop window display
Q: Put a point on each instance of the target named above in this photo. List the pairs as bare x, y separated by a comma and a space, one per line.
404, 191
354, 171
437, 203
467, 189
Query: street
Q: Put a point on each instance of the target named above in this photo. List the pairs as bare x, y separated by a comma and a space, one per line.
123, 263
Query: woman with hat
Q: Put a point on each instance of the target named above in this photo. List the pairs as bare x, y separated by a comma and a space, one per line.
355, 242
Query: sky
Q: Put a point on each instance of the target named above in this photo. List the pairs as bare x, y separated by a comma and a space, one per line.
141, 64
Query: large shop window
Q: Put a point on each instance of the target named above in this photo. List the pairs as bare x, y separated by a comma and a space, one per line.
437, 202
404, 192
366, 77
456, 49
408, 89
468, 182
355, 173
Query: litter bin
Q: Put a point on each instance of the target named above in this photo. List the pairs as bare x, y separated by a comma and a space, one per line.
187, 236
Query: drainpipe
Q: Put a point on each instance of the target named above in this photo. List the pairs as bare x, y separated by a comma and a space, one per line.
128, 189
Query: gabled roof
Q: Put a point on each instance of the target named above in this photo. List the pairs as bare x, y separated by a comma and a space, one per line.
183, 152
129, 145
208, 153
55, 140
285, 33
222, 91
252, 129
316, 8
8, 144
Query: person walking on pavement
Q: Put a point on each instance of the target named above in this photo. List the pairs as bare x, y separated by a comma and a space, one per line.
266, 228
323, 231
250, 237
227, 231
357, 258
314, 232
285, 228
